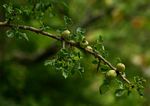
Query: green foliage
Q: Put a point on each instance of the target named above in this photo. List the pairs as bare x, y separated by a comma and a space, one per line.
78, 36
11, 12
67, 61
139, 85
68, 21
17, 34
122, 26
105, 87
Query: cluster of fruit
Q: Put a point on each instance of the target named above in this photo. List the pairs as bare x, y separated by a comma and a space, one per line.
120, 67
83, 44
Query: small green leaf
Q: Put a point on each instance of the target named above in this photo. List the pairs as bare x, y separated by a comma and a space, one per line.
104, 67
100, 39
103, 48
47, 62
18, 11
24, 35
80, 31
104, 88
120, 92
4, 5
81, 69
67, 20
10, 33
65, 74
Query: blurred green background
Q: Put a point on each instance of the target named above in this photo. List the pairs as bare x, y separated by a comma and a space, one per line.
124, 26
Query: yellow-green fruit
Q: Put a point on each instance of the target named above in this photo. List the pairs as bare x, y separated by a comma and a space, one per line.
89, 48
72, 41
84, 43
65, 33
111, 73
120, 67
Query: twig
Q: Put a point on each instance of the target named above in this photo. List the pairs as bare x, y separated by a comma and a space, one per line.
72, 43
33, 29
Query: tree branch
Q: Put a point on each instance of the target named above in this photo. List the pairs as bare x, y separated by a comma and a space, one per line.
72, 43
33, 29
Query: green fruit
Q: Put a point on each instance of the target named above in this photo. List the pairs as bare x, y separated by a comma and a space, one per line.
84, 43
111, 73
120, 67
72, 41
89, 48
65, 33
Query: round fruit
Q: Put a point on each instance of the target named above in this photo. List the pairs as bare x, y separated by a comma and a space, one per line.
84, 43
120, 67
72, 41
111, 73
89, 48
65, 33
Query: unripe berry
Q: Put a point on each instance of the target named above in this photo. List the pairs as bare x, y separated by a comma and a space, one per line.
111, 74
72, 41
84, 43
89, 48
120, 67
65, 33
